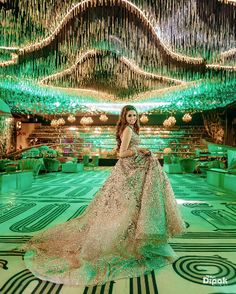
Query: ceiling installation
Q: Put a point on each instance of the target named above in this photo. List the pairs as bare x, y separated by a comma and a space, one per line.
97, 55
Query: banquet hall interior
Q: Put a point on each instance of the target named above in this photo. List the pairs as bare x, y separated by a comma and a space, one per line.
66, 70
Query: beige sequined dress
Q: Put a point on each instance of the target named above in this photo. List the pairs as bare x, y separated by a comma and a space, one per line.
122, 233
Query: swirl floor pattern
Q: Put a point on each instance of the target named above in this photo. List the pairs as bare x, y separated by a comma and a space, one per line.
207, 252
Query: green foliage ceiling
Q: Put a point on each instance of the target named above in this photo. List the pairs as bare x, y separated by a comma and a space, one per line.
76, 56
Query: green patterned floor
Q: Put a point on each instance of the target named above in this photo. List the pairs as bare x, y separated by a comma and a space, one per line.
207, 249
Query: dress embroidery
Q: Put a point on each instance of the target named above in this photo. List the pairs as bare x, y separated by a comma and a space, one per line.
122, 233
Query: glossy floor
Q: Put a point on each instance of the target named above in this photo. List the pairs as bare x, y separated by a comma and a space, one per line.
206, 252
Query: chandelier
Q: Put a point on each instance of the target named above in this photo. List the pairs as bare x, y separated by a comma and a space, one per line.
61, 121
187, 118
167, 150
86, 120
71, 118
54, 123
169, 122
144, 118
172, 120
103, 117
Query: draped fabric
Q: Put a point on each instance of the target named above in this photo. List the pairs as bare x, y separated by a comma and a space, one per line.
122, 233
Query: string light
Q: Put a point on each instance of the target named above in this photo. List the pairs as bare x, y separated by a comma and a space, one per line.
92, 53
169, 73
82, 6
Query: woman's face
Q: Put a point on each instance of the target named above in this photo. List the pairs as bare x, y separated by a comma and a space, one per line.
131, 117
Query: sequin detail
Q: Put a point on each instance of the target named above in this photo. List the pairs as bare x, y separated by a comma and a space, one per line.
122, 233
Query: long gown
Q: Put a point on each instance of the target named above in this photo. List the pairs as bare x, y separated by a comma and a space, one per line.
122, 233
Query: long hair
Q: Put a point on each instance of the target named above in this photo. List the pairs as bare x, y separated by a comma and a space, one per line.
122, 123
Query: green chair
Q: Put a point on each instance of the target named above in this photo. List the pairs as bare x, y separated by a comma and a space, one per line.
94, 162
3, 163
172, 164
72, 167
11, 166
85, 160
232, 166
30, 164
216, 164
52, 164
167, 159
203, 168
188, 165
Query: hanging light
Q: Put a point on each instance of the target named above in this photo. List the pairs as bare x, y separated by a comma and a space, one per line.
187, 118
172, 120
86, 120
167, 150
71, 118
144, 118
103, 117
54, 123
169, 122
61, 121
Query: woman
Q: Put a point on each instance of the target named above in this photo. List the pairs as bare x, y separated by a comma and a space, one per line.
123, 232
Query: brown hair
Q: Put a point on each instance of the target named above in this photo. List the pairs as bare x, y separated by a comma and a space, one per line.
122, 123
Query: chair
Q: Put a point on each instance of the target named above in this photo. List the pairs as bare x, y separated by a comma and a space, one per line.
188, 165
31, 164
11, 166
52, 164
94, 162
72, 167
172, 164
85, 160
3, 163
216, 164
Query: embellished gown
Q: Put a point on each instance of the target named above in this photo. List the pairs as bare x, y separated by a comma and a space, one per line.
122, 233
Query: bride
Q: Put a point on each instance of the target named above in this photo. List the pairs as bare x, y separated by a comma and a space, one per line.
125, 229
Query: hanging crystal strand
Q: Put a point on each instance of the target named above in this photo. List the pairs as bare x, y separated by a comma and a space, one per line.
90, 33
127, 27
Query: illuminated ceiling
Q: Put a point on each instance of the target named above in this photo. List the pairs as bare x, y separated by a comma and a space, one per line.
158, 55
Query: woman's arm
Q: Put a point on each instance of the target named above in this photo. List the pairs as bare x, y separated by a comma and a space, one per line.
125, 140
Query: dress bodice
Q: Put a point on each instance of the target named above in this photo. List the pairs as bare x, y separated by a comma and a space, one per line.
135, 140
